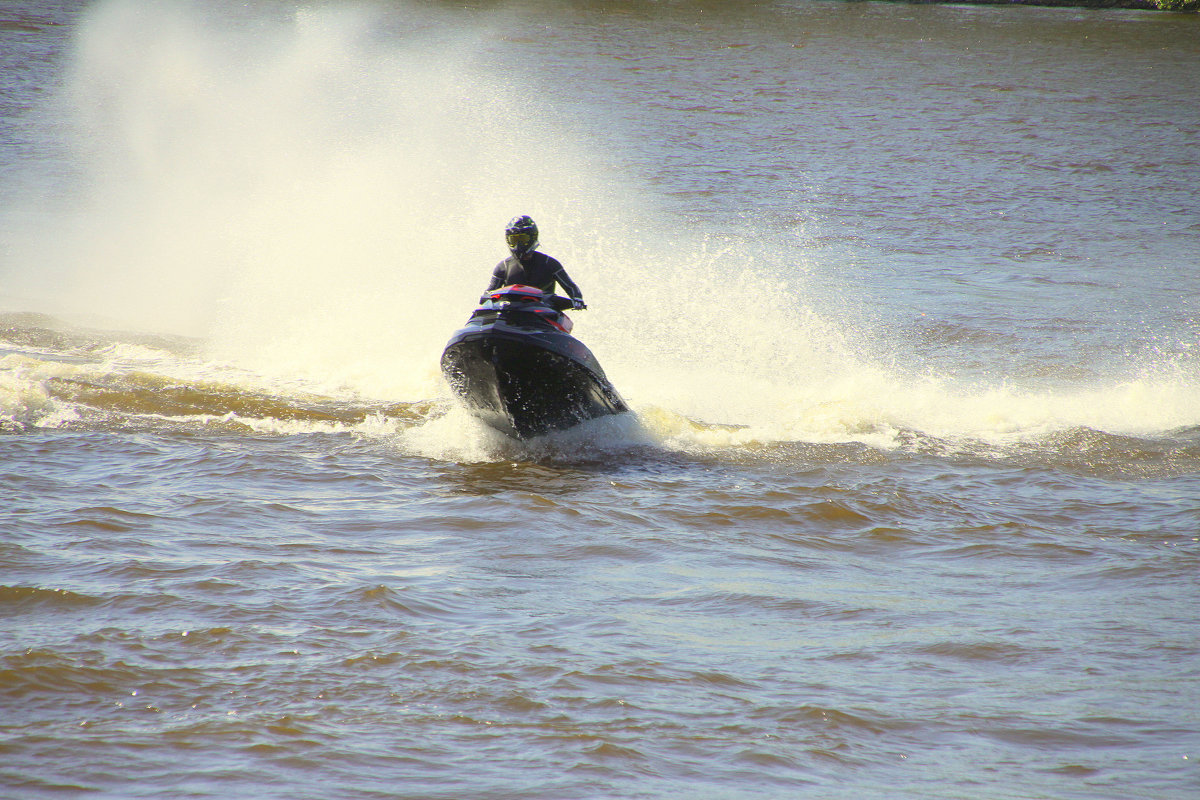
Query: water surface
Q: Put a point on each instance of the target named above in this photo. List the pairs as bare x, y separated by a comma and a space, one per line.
903, 298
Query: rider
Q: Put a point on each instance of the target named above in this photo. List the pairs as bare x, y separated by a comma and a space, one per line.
529, 267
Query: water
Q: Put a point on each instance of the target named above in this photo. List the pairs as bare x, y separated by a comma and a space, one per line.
904, 298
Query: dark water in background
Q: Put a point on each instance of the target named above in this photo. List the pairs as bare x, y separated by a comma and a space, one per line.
903, 296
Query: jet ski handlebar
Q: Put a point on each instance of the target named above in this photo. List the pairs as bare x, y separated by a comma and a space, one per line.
560, 303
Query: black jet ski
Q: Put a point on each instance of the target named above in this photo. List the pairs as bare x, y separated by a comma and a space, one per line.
517, 367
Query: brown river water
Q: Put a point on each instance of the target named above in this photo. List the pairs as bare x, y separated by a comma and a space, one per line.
903, 297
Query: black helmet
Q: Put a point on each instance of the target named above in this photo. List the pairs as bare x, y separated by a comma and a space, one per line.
521, 234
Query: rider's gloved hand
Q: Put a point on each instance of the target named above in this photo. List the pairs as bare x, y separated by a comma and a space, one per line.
578, 304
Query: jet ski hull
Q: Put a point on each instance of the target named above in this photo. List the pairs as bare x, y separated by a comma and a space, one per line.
527, 381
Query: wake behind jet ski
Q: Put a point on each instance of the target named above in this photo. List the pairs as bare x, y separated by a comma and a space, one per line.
516, 366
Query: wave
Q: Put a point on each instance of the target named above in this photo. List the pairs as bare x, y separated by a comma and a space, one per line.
18, 599
54, 376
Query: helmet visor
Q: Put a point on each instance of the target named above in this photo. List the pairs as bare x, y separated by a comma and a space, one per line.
516, 239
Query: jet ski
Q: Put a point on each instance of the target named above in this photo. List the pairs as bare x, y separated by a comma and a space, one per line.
516, 366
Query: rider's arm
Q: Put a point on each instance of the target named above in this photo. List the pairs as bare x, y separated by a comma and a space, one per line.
568, 285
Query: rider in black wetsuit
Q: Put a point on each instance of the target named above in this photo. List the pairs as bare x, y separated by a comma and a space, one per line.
529, 267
